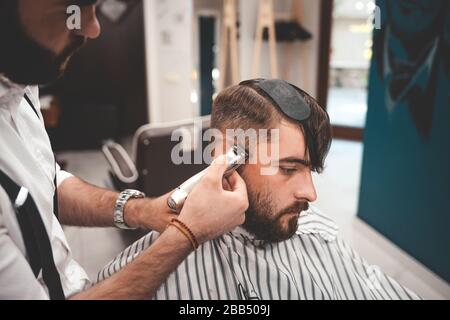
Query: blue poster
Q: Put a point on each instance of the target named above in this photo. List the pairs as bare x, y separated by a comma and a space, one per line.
405, 185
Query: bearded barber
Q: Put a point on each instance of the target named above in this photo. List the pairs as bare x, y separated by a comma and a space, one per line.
35, 259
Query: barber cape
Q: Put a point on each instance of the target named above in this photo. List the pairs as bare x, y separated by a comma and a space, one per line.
312, 264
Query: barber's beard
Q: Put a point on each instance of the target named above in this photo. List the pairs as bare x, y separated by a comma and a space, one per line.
262, 221
23, 60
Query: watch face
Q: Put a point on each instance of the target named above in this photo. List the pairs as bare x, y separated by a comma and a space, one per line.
124, 196
136, 193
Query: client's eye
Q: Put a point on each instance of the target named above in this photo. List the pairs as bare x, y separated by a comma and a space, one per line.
289, 170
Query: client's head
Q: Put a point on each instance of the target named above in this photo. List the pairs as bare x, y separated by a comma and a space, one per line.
276, 200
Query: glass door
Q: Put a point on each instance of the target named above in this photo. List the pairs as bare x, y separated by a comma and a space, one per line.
347, 36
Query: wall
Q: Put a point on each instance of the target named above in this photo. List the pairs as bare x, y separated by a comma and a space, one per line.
303, 69
168, 34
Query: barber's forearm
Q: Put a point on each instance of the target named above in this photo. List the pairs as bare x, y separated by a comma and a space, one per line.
82, 204
141, 278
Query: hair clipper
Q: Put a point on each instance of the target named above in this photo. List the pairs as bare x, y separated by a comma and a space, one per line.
235, 157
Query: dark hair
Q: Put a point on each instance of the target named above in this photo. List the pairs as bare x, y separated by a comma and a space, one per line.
247, 106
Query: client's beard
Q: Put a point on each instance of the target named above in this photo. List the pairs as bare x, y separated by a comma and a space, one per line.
22, 60
261, 221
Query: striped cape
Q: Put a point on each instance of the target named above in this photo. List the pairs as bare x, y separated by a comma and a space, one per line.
313, 264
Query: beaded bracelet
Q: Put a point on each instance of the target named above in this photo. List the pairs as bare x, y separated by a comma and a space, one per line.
184, 229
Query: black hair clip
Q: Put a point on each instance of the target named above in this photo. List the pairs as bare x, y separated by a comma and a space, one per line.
287, 97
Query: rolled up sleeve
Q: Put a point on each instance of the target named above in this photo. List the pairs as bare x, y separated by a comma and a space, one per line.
61, 175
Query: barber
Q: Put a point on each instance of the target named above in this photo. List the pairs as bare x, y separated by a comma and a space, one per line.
36, 195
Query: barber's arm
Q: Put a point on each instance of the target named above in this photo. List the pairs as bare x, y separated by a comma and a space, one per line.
209, 212
82, 204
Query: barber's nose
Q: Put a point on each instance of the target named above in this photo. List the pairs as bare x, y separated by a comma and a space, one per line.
306, 189
90, 27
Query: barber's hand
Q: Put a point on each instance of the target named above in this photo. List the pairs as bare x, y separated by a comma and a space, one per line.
210, 210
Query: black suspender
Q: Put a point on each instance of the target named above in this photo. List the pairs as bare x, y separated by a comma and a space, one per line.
55, 196
35, 237
31, 104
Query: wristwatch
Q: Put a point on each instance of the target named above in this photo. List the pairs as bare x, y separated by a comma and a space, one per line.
122, 199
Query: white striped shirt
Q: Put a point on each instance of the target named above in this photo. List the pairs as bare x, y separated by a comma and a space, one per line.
313, 264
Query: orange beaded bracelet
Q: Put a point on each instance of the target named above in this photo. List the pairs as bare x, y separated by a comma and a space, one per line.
184, 229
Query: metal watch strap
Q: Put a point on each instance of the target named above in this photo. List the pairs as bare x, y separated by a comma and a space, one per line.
121, 201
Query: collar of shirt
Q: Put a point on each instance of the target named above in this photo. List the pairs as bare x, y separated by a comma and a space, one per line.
311, 221
10, 91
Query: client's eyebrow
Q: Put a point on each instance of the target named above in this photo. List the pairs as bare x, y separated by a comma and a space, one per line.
296, 160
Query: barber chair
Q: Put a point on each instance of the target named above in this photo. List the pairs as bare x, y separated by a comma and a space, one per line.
150, 168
